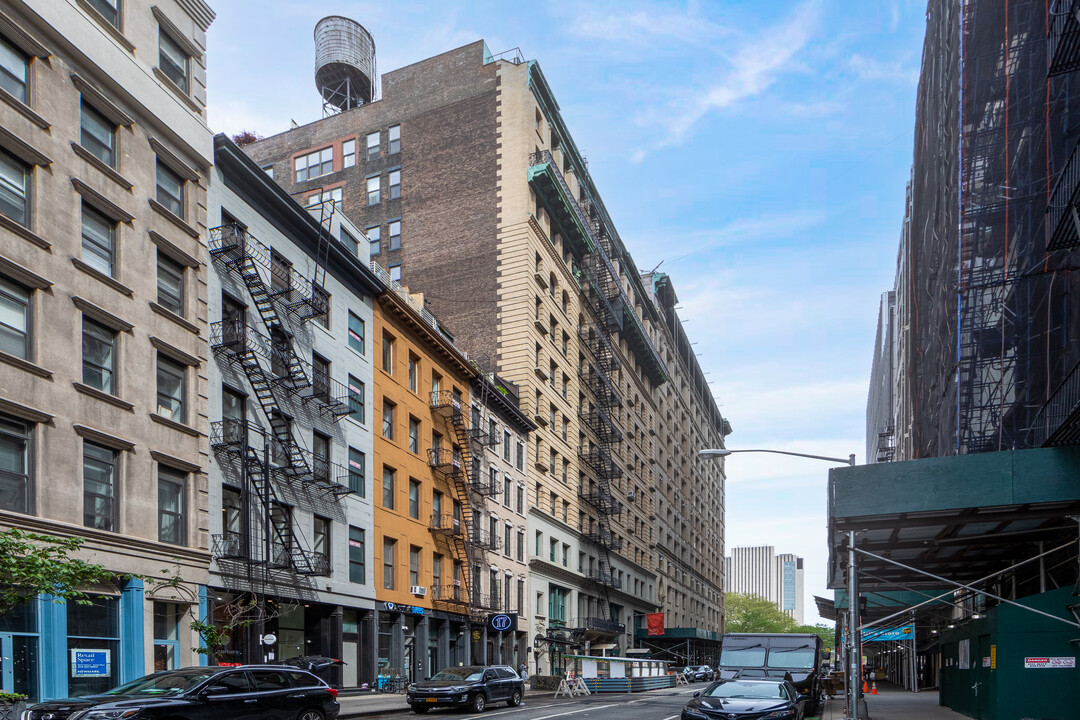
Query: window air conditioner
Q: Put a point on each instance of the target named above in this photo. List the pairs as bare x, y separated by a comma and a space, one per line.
418, 590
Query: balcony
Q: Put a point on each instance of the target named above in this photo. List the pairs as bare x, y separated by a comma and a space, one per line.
450, 594
1064, 39
484, 540
229, 545
602, 425
447, 463
1062, 218
604, 576
603, 625
604, 502
606, 538
1058, 421
600, 462
445, 525
603, 389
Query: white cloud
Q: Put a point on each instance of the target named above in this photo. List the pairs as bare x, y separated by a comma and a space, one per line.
868, 69
641, 29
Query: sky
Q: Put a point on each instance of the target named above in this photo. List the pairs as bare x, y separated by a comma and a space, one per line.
757, 152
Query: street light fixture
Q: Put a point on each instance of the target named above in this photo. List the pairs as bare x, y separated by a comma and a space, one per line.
722, 452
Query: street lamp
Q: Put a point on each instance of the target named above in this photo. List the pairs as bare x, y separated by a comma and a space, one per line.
852, 673
722, 452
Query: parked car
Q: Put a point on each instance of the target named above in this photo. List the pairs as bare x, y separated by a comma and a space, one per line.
472, 686
686, 672
749, 698
703, 673
266, 692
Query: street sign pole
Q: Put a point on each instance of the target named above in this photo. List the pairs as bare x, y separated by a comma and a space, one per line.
854, 661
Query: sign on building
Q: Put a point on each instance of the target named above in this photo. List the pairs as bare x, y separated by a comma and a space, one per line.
91, 663
502, 622
1049, 662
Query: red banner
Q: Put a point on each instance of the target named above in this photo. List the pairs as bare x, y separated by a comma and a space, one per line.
655, 622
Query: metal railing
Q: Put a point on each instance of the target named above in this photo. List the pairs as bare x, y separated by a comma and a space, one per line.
1064, 37
1062, 219
604, 537
1059, 413
445, 524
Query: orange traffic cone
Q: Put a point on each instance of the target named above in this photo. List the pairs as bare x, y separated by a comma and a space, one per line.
865, 686
874, 690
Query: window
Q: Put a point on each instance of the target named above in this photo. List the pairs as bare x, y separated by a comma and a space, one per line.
395, 139
414, 500
171, 485
99, 356
170, 189
321, 298
414, 565
395, 184
167, 618
99, 487
170, 284
373, 190
319, 198
414, 435
269, 170
14, 189
539, 538
507, 545
98, 135
551, 504
436, 569
394, 228
388, 419
313, 165
356, 333
552, 461
521, 596
14, 464
172, 60
388, 563
374, 234
557, 603
520, 506
14, 319
506, 446
565, 511
520, 459
14, 71
349, 241
320, 452
520, 546
320, 539
553, 549
388, 474
357, 472
395, 273
95, 626
372, 146
98, 241
414, 369
357, 555
388, 353
348, 153
356, 400
508, 491
170, 389
493, 585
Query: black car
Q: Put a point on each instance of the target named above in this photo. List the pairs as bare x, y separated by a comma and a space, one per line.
472, 686
703, 673
734, 699
248, 692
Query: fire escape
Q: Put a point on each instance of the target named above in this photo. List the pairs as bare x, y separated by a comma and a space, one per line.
273, 470
463, 530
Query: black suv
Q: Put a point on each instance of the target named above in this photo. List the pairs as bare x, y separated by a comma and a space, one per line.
472, 686
248, 692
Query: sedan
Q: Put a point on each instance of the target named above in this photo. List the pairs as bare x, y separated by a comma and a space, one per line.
248, 692
743, 698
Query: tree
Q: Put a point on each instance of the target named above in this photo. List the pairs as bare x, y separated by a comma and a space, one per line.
33, 564
246, 137
752, 613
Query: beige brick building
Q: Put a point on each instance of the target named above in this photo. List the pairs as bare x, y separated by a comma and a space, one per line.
104, 152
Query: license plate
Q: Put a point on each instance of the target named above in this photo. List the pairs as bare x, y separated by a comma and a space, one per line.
433, 700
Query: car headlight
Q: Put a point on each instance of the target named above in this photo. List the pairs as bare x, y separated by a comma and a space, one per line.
780, 714
690, 711
105, 714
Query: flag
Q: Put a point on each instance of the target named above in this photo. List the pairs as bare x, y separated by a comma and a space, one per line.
655, 622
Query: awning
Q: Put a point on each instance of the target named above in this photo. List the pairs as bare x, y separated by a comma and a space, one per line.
603, 646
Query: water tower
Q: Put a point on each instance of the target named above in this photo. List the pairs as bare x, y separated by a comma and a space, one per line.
344, 64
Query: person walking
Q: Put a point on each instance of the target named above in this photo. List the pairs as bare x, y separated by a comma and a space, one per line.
523, 670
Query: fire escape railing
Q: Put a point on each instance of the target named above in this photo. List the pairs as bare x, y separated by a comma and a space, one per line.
1064, 37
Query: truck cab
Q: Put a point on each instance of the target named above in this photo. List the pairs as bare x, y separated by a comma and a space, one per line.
795, 656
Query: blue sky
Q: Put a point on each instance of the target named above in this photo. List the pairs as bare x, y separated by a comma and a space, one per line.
760, 150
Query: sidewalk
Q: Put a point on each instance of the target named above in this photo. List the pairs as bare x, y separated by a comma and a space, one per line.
369, 704
893, 703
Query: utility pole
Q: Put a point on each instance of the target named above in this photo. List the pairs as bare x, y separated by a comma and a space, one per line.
854, 659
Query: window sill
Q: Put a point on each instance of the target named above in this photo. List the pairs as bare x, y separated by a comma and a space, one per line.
97, 274
24, 232
106, 25
103, 396
178, 91
101, 166
181, 427
173, 218
25, 365
169, 314
24, 110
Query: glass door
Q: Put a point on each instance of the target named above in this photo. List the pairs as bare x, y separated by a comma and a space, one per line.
19, 664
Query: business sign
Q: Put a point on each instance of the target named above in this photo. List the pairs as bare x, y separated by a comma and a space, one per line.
502, 622
1049, 662
655, 623
402, 608
91, 663
876, 634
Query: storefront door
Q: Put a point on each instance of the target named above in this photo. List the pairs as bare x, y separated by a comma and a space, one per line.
19, 664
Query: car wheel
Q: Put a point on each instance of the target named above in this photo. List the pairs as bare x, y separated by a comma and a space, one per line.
420, 709
310, 715
515, 698
479, 702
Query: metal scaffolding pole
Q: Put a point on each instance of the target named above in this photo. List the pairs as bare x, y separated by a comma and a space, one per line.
853, 665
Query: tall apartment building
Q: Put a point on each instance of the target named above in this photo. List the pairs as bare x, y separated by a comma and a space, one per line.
291, 299
104, 158
760, 571
472, 190
689, 494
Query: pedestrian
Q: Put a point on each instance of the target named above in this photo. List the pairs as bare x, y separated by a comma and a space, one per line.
523, 670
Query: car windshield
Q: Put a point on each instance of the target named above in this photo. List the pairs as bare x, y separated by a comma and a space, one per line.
459, 674
743, 657
736, 689
801, 658
166, 683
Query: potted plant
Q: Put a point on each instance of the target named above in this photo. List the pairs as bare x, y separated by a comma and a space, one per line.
11, 705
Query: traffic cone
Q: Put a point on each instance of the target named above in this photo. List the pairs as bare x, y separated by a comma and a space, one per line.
865, 686
874, 690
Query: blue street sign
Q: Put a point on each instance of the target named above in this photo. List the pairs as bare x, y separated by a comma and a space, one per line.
878, 634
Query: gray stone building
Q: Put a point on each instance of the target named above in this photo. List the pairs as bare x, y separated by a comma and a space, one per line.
290, 303
104, 157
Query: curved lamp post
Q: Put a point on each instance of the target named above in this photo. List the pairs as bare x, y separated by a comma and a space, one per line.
721, 452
